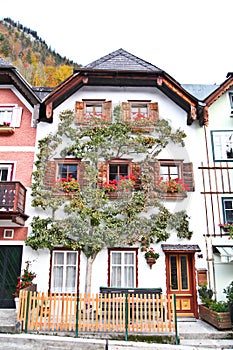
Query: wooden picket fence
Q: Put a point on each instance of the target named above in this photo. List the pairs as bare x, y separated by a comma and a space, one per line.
96, 313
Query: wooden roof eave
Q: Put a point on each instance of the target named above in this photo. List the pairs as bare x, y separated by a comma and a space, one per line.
15, 78
209, 100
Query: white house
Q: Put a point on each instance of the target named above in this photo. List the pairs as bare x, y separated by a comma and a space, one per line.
137, 86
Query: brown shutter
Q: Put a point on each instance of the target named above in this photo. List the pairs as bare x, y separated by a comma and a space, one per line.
102, 173
50, 174
135, 169
108, 111
126, 112
81, 173
155, 168
79, 112
188, 176
154, 111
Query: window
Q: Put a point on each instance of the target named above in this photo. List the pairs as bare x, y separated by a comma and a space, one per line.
6, 172
231, 99
222, 144
169, 171
118, 170
87, 109
8, 234
166, 170
227, 209
10, 114
64, 272
139, 111
68, 170
122, 269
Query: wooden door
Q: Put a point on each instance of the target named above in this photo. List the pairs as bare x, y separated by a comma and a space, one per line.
10, 266
181, 281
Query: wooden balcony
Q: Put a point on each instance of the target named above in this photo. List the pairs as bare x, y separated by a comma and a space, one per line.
12, 203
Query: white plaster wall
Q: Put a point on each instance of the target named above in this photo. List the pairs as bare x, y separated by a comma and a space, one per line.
194, 151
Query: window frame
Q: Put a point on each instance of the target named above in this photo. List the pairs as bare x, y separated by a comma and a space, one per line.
11, 231
16, 114
224, 209
67, 161
118, 162
10, 168
171, 163
123, 251
218, 149
63, 289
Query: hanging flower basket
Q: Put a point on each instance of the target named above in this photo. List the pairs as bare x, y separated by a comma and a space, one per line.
151, 256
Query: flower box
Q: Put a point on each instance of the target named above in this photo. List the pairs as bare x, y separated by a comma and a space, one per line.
173, 195
220, 320
143, 128
6, 130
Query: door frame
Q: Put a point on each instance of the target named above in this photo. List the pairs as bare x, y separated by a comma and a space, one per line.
189, 251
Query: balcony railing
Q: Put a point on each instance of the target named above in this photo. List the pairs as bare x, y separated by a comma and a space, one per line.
12, 201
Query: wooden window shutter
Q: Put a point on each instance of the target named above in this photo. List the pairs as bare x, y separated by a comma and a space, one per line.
16, 116
79, 112
135, 169
102, 173
126, 112
50, 174
155, 173
154, 111
81, 173
188, 176
107, 112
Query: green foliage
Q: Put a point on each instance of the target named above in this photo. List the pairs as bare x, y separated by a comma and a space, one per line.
218, 306
229, 292
206, 295
90, 220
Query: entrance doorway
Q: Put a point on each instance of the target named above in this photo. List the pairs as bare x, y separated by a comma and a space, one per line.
181, 280
10, 267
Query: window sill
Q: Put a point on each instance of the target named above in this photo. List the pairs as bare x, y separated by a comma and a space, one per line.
174, 195
7, 130
144, 128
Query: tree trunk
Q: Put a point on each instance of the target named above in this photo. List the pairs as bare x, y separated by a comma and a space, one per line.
89, 265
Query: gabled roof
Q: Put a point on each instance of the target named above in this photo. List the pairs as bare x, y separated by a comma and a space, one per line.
209, 100
9, 75
122, 60
120, 68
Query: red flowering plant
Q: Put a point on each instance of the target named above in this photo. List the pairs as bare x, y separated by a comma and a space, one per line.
94, 117
5, 124
125, 183
68, 185
227, 227
25, 280
150, 253
171, 185
140, 119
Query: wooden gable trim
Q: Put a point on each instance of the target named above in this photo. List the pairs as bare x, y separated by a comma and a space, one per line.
219, 92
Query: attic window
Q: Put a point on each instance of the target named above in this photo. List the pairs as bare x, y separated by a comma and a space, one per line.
10, 114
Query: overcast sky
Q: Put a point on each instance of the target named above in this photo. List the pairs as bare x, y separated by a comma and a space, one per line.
189, 39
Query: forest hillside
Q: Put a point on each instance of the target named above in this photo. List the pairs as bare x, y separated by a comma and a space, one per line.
37, 63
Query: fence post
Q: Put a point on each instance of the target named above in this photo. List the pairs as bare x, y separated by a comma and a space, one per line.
176, 328
76, 318
27, 312
126, 316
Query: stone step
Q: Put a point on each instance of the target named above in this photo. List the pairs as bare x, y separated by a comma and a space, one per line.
208, 343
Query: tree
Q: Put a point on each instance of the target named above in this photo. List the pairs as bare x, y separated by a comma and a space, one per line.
90, 219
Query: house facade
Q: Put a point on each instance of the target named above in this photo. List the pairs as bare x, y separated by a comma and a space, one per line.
138, 87
217, 177
19, 109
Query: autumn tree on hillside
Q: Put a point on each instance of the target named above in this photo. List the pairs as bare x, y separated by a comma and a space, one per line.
86, 217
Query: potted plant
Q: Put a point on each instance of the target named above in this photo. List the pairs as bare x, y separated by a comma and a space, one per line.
171, 185
68, 185
25, 281
229, 295
227, 227
214, 312
151, 256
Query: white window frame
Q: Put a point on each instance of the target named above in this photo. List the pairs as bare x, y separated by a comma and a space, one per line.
8, 233
16, 113
9, 168
63, 288
222, 141
122, 266
224, 199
